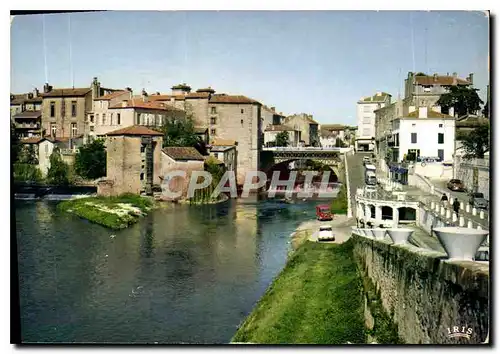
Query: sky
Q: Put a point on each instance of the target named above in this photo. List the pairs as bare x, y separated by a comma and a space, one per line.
315, 62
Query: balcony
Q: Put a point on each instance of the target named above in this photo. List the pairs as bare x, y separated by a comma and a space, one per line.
28, 126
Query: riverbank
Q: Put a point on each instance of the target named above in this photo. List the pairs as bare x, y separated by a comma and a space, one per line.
113, 212
316, 299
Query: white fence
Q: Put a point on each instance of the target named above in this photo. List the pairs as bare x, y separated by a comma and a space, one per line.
308, 148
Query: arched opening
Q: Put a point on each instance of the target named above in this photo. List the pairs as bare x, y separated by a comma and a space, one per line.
386, 213
407, 214
372, 211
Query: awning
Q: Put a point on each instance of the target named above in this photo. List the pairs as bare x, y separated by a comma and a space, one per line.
28, 114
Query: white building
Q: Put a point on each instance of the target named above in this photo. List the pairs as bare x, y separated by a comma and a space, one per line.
424, 133
365, 134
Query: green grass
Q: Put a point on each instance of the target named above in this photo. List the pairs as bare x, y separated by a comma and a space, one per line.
316, 299
81, 208
339, 204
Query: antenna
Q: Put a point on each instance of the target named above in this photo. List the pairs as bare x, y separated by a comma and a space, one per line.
70, 53
45, 51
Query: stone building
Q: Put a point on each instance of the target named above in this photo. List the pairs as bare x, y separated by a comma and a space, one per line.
366, 107
133, 162
25, 112
330, 132
272, 131
225, 151
425, 90
308, 127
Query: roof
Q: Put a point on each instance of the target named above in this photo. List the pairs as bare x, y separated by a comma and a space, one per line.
135, 130
468, 121
21, 98
166, 97
440, 80
198, 95
183, 153
223, 142
333, 126
110, 96
139, 103
378, 97
67, 92
181, 86
325, 133
310, 120
232, 99
28, 114
34, 140
221, 148
200, 130
207, 89
279, 128
430, 114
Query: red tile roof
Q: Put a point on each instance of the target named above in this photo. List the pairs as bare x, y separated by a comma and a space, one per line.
139, 103
67, 92
183, 153
440, 80
232, 99
135, 130
430, 114
198, 95
111, 95
21, 98
166, 97
28, 114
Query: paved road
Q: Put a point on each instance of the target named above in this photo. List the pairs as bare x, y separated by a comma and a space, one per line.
356, 175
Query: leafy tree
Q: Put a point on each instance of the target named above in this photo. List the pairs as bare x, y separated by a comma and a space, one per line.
179, 132
14, 143
27, 154
59, 171
90, 160
420, 74
24, 172
282, 139
477, 142
486, 109
464, 100
339, 142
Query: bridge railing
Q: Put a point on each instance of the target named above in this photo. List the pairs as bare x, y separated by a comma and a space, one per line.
308, 148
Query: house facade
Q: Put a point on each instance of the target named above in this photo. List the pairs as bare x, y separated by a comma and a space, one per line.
225, 151
366, 106
308, 127
25, 112
272, 131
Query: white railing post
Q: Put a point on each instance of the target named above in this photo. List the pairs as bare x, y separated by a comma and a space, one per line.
461, 221
467, 208
469, 224
474, 211
481, 214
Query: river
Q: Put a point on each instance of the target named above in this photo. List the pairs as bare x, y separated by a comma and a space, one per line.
186, 274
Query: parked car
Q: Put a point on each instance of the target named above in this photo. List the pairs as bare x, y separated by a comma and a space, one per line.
325, 233
456, 185
477, 200
323, 212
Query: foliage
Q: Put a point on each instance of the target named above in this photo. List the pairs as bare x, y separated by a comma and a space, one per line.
179, 132
27, 154
217, 170
339, 204
92, 209
420, 74
312, 165
282, 139
14, 143
316, 299
476, 143
24, 172
464, 100
90, 160
486, 109
339, 143
59, 173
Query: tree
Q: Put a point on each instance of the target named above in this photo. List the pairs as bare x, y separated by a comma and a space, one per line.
27, 154
90, 160
339, 142
477, 142
59, 171
464, 100
179, 132
282, 139
14, 143
27, 173
486, 109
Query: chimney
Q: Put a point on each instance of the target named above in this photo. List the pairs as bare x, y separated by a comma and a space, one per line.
157, 93
35, 92
128, 89
422, 112
435, 77
273, 109
471, 78
455, 75
47, 88
96, 88
144, 95
124, 103
410, 74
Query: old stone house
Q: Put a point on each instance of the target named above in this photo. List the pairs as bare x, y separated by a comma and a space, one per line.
308, 127
25, 112
225, 151
271, 132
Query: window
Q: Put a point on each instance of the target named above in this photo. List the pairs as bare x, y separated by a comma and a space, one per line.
213, 120
142, 176
46, 148
441, 154
367, 120
413, 125
111, 119
413, 138
91, 128
242, 111
104, 119
440, 138
118, 119
73, 108
92, 118
440, 125
53, 129
138, 119
366, 108
52, 109
97, 118
74, 129
143, 147
241, 121
212, 131
366, 132
213, 110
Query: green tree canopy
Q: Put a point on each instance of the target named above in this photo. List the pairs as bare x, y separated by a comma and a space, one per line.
90, 160
477, 142
282, 139
464, 100
14, 143
339, 143
179, 132
58, 173
27, 154
486, 109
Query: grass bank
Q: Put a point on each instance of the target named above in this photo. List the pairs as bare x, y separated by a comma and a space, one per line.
113, 212
316, 299
339, 204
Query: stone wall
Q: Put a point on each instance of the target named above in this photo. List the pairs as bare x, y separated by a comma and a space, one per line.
424, 294
63, 124
465, 173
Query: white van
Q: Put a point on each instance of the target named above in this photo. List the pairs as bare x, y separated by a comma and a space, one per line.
325, 233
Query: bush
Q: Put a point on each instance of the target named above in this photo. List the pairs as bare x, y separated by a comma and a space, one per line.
27, 173
90, 161
59, 173
339, 204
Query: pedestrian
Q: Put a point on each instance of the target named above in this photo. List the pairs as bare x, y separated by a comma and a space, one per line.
456, 206
444, 198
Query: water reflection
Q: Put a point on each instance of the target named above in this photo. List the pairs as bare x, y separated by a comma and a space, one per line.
183, 274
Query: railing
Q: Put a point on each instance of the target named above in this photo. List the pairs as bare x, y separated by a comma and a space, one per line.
308, 148
474, 162
27, 125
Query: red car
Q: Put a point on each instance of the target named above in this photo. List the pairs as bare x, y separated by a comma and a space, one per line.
323, 212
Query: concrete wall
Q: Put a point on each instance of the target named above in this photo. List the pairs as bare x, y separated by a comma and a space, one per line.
425, 295
465, 173
45, 149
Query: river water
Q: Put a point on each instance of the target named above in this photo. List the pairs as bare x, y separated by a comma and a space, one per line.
186, 274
